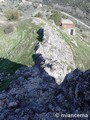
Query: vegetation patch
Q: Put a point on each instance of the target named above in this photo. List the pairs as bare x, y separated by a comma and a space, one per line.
12, 14
17, 48
56, 16
39, 15
9, 28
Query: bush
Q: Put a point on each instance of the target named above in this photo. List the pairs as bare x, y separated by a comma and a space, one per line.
39, 15
12, 14
8, 29
56, 17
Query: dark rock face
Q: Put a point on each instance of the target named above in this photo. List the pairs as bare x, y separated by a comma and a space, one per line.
34, 96
77, 85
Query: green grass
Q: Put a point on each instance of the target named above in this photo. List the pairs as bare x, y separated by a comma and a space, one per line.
17, 48
81, 52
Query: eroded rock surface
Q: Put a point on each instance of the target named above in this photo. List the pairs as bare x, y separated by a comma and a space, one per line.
57, 55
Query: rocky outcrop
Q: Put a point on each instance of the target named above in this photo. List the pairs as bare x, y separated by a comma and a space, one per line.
57, 56
33, 96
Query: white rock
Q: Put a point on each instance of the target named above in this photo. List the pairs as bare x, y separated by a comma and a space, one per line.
55, 51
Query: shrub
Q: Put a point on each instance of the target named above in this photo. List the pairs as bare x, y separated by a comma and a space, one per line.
12, 14
39, 15
56, 17
8, 29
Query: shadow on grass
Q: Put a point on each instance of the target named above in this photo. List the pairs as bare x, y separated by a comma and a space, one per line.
7, 67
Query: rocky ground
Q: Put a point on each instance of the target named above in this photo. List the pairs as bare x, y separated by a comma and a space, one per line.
34, 95
56, 54
26, 8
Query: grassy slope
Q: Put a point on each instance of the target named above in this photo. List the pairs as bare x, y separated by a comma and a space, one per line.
16, 49
18, 46
79, 46
81, 51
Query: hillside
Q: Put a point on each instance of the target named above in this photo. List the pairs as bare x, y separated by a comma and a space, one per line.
17, 46
78, 8
18, 40
82, 4
40, 76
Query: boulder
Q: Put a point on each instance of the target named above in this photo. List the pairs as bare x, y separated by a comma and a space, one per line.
13, 104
